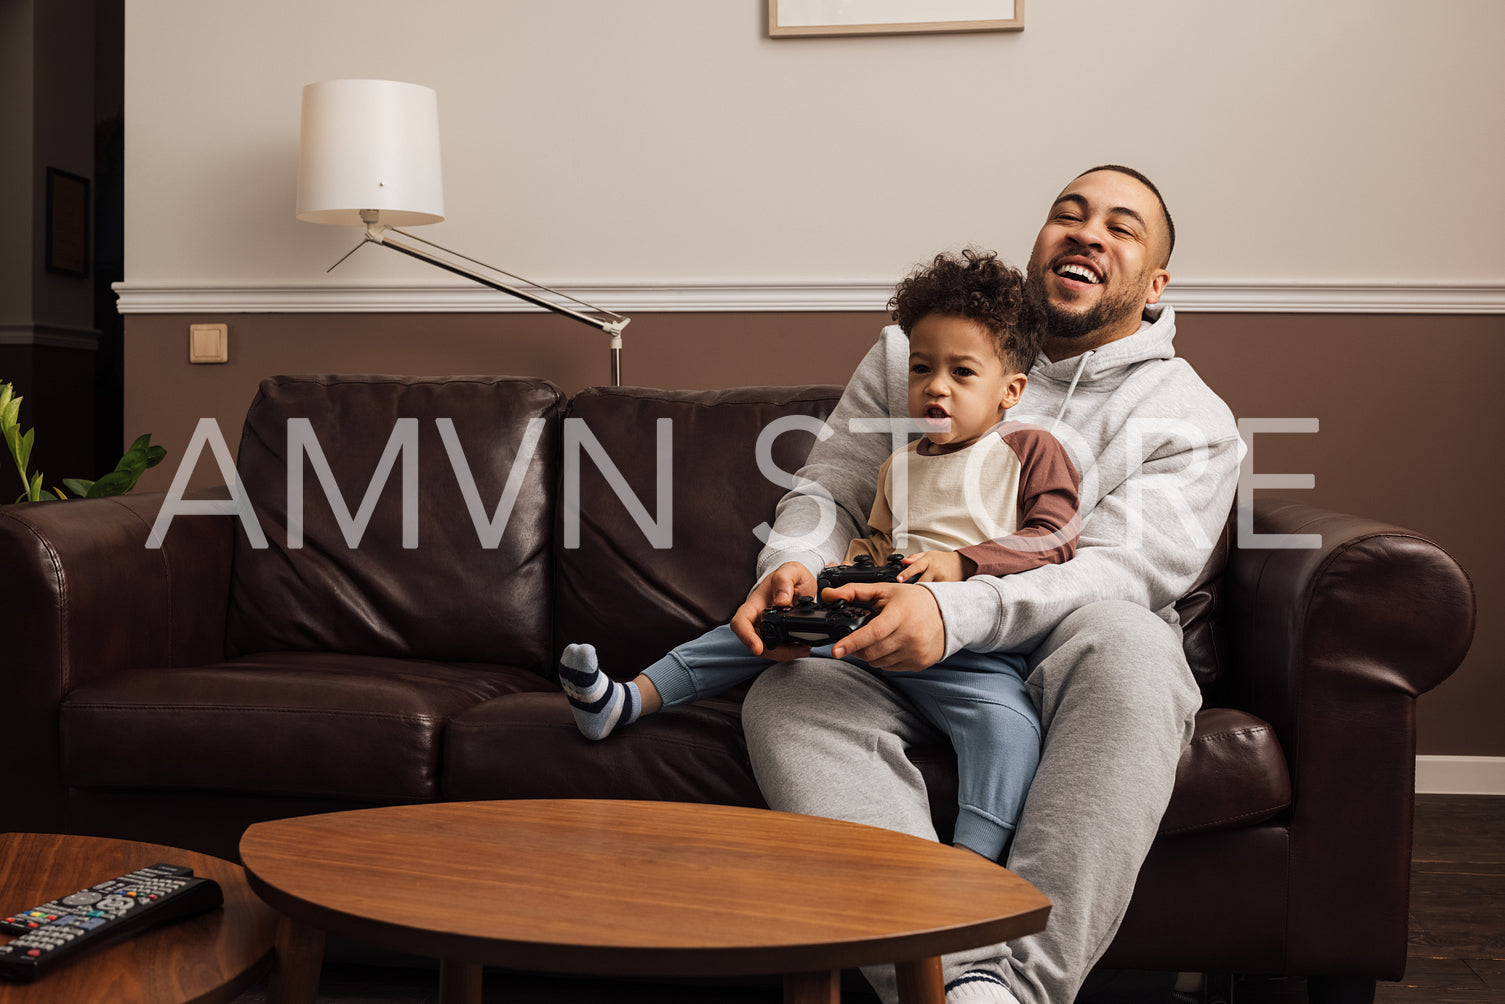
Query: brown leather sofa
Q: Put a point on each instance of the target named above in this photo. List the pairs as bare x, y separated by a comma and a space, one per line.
178, 694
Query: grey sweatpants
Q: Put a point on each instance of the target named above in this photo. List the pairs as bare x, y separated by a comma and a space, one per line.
1117, 702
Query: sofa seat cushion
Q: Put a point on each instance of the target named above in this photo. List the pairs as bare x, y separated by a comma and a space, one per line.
1233, 774
288, 723
527, 746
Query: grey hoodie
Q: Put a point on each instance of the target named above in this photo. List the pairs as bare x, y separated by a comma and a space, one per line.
1159, 456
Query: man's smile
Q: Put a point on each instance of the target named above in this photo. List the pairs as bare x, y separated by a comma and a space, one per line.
1078, 271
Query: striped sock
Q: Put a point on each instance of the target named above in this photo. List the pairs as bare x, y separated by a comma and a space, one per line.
600, 704
979, 986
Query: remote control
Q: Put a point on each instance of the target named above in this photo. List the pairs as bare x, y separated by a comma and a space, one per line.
66, 928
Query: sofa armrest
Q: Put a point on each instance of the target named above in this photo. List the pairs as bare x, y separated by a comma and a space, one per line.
1333, 646
1376, 612
81, 598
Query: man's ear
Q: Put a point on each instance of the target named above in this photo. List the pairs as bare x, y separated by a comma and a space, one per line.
1013, 390
1157, 286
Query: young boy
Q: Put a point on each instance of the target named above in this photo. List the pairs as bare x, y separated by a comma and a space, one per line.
983, 497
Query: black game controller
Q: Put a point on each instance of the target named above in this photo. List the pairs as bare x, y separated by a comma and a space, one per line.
862, 569
809, 622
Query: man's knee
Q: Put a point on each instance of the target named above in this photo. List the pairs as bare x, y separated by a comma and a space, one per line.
788, 699
1114, 626
1118, 649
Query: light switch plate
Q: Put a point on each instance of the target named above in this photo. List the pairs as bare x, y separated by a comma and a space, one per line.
208, 343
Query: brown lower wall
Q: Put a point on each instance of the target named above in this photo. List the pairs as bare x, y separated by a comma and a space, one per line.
1408, 406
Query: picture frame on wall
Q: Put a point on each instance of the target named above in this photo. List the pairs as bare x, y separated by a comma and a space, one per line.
67, 250
807, 18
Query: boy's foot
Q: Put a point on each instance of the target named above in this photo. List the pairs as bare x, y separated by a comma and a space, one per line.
601, 704
979, 986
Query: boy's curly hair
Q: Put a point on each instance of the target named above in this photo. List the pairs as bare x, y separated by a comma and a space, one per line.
976, 285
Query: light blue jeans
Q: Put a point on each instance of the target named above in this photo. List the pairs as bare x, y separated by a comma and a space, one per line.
977, 699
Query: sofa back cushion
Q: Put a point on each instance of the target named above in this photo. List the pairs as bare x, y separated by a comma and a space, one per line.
615, 588
417, 580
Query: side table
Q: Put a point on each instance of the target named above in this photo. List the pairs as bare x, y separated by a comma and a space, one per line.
205, 959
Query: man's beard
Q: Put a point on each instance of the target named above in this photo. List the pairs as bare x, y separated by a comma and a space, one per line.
1061, 322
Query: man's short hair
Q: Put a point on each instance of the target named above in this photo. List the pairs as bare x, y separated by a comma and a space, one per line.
978, 286
1170, 226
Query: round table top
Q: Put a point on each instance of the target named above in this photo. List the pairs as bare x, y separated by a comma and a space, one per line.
214, 956
634, 888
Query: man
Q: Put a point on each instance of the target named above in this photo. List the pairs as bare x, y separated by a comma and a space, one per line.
1159, 457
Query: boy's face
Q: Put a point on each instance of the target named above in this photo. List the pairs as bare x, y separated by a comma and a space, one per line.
958, 387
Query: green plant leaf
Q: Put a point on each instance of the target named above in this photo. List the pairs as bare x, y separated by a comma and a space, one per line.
116, 482
133, 463
13, 443
34, 490
128, 471
78, 486
23, 452
43, 495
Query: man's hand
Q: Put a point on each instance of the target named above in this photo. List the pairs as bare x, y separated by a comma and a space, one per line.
906, 636
933, 566
780, 588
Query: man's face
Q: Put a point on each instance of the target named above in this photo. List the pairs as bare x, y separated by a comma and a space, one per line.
1096, 261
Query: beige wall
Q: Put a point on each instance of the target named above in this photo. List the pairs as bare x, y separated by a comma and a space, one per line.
672, 145
594, 141
1408, 411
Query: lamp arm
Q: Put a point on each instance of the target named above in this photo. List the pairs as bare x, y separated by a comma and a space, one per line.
612, 324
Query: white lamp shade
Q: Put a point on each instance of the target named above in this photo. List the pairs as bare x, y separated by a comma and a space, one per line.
370, 145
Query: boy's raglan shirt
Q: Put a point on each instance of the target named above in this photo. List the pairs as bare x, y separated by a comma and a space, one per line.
1007, 503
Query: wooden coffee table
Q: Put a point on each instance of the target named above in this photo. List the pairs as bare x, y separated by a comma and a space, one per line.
619, 888
212, 957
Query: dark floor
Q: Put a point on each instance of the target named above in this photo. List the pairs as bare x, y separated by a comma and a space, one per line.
1457, 950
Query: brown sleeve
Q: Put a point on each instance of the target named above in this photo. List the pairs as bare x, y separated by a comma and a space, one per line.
1048, 520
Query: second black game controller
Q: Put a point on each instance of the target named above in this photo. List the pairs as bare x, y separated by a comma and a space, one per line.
863, 569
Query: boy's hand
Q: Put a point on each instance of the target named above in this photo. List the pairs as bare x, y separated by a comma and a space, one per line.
933, 566
780, 588
906, 636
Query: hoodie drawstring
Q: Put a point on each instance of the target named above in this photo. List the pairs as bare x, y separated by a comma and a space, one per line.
1072, 389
